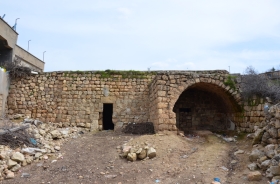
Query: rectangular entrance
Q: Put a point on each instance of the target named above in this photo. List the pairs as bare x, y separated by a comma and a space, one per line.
185, 119
107, 117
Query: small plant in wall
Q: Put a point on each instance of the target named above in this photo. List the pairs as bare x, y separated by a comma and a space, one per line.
230, 81
124, 74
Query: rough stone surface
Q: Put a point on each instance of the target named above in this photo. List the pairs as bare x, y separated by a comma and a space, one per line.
145, 97
16, 168
239, 152
270, 153
18, 157
132, 157
126, 150
55, 134
254, 176
256, 154
252, 166
265, 164
142, 153
11, 163
151, 153
10, 175
275, 170
258, 136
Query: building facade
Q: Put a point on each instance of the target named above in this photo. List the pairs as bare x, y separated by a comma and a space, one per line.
10, 51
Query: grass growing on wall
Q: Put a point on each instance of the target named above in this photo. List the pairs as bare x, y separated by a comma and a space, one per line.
230, 82
124, 74
254, 101
112, 73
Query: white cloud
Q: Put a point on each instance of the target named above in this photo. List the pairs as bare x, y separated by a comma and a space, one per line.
133, 34
124, 11
163, 64
186, 66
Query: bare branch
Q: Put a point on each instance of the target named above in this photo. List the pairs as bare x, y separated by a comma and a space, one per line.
260, 85
15, 70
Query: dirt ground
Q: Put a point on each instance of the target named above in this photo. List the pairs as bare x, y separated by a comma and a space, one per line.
94, 158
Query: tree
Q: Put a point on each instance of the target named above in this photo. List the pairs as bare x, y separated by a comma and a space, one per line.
253, 83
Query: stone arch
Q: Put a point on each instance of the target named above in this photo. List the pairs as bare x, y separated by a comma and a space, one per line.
167, 87
226, 99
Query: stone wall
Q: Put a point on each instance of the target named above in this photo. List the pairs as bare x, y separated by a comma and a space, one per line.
265, 152
197, 109
77, 98
253, 114
168, 86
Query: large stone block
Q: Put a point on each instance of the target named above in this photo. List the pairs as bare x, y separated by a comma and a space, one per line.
275, 170
161, 93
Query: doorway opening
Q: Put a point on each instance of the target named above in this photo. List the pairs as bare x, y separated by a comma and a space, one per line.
107, 117
184, 118
204, 107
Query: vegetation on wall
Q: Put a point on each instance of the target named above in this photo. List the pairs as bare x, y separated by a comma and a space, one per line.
15, 70
124, 74
112, 73
253, 101
230, 81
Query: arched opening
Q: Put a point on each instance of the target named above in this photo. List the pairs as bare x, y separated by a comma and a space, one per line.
205, 106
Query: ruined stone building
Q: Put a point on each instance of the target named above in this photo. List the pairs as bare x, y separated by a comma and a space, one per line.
11, 52
171, 100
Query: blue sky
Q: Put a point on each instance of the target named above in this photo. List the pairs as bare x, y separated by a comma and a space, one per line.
156, 34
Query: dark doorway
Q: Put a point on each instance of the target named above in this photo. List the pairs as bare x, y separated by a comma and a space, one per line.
107, 117
204, 107
185, 118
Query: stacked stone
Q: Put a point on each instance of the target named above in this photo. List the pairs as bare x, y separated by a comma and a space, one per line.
253, 115
77, 98
48, 137
266, 154
167, 86
133, 153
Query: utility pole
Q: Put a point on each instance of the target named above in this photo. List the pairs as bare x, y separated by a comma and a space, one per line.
44, 55
15, 26
28, 45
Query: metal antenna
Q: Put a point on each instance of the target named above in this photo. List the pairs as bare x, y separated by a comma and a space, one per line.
44, 55
28, 45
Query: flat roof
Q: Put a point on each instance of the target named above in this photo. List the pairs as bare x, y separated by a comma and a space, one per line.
8, 24
29, 53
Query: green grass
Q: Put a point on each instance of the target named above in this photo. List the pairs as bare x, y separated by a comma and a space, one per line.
230, 82
124, 74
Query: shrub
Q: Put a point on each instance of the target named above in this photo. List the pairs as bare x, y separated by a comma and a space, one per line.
253, 83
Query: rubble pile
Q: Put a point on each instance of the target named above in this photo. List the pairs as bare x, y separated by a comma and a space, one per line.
139, 128
265, 155
137, 152
46, 139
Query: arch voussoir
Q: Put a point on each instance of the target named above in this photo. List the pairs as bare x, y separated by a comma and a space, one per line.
181, 82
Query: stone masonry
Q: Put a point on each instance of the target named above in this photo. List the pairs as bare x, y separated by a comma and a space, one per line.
77, 98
